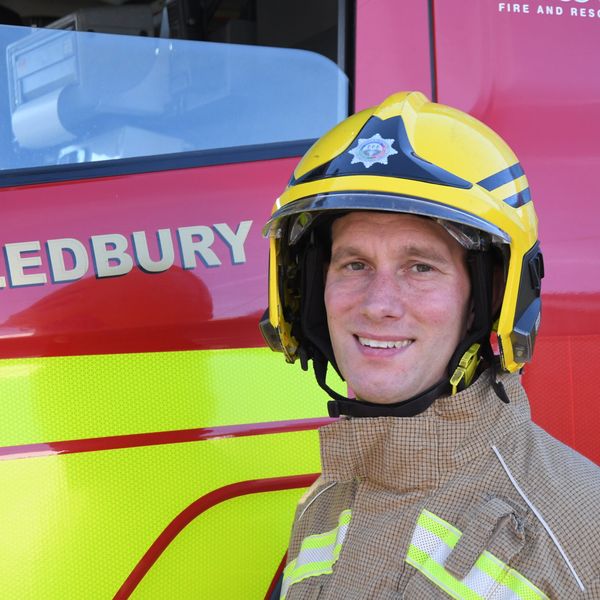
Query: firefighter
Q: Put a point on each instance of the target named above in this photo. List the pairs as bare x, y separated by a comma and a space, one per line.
404, 255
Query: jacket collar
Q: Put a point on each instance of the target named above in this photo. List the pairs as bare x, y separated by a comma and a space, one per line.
420, 451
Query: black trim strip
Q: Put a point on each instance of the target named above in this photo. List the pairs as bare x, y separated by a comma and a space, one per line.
350, 34
432, 58
155, 163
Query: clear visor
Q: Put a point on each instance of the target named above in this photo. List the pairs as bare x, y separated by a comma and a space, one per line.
471, 231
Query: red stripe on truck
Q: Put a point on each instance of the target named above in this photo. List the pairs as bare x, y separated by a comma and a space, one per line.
157, 438
199, 506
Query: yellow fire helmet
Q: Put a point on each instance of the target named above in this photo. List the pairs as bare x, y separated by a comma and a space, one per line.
409, 155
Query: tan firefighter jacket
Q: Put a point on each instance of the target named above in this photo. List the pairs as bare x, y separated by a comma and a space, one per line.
469, 499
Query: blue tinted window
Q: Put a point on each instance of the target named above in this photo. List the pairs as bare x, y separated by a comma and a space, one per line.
70, 96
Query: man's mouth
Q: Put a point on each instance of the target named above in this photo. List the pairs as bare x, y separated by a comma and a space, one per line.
370, 343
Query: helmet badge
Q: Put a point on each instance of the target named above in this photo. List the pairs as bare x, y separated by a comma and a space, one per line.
370, 151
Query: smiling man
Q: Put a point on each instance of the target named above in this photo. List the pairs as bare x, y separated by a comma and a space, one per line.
404, 244
397, 298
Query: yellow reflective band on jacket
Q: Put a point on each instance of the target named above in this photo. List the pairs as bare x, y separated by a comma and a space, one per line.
489, 579
318, 553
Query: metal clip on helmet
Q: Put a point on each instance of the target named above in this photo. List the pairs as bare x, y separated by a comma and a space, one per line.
409, 155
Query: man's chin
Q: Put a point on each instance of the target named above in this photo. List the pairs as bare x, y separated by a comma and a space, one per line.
378, 394
383, 399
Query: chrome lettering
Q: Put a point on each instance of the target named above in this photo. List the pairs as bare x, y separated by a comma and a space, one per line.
197, 240
17, 263
114, 254
165, 248
57, 249
110, 256
236, 240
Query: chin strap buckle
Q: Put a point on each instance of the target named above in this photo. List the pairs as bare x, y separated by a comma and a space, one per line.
467, 366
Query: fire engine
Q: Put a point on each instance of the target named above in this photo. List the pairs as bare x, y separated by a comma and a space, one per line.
150, 445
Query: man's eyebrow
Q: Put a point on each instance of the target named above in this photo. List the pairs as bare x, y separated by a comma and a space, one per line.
421, 252
426, 252
345, 252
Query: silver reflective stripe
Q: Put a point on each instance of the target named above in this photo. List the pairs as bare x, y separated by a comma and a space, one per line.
318, 553
541, 519
478, 581
490, 578
327, 487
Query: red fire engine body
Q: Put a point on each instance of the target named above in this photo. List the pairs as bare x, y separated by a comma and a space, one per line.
145, 450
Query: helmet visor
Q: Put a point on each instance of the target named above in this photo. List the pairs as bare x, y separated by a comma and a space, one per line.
295, 218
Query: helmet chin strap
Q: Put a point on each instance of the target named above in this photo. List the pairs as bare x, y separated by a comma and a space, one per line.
352, 407
341, 405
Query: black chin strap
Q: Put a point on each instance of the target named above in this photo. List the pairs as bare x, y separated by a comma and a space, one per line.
408, 408
341, 405
498, 386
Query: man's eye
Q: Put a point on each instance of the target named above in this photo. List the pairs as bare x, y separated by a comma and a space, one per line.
422, 268
355, 266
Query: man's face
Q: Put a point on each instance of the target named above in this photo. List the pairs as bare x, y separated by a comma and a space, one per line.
397, 298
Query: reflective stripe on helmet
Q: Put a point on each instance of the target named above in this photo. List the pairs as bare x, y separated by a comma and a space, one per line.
318, 553
498, 179
490, 578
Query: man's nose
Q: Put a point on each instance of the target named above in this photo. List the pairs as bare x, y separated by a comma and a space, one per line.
383, 297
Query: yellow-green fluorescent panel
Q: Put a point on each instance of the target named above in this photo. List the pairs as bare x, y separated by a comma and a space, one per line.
69, 398
75, 526
241, 538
